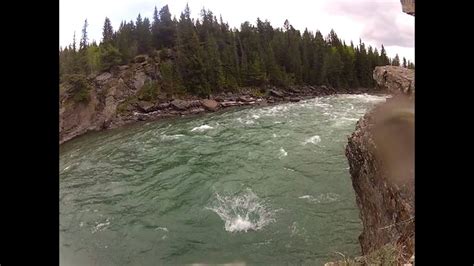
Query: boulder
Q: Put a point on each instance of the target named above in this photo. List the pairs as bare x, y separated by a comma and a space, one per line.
194, 103
276, 93
294, 90
245, 98
145, 106
219, 98
295, 99
104, 76
210, 105
180, 104
196, 110
395, 79
163, 106
229, 103
139, 59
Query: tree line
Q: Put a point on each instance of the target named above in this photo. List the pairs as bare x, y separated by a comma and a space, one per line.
203, 56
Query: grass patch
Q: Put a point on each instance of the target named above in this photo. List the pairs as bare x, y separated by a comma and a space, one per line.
387, 255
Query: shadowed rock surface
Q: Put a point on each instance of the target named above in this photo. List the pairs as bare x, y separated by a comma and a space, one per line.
380, 153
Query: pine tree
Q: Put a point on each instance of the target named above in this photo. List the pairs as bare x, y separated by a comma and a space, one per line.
405, 62
109, 57
396, 61
74, 42
166, 29
154, 29
84, 39
205, 55
190, 57
213, 65
383, 57
107, 32
334, 68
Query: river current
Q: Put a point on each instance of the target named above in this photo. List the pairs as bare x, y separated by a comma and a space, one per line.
255, 186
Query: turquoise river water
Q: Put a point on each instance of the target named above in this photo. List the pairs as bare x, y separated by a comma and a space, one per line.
255, 186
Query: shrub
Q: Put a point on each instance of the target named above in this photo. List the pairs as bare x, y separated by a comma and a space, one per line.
149, 91
109, 57
79, 88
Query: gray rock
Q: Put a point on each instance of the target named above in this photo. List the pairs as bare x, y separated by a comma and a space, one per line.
104, 76
140, 58
295, 99
395, 79
276, 93
180, 105
163, 106
229, 103
245, 98
139, 81
145, 106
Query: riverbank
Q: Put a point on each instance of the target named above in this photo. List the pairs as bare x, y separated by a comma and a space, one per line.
141, 110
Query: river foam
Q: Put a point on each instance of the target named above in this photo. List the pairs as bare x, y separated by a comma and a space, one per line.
243, 212
313, 140
322, 198
201, 128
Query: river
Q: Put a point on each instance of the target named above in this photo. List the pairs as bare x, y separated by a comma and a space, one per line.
261, 185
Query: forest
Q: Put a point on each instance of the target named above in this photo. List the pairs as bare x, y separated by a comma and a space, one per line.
204, 56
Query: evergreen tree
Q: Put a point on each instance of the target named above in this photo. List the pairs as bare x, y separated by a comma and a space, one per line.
206, 56
74, 42
154, 29
109, 57
383, 57
84, 38
107, 32
213, 65
396, 61
190, 57
166, 29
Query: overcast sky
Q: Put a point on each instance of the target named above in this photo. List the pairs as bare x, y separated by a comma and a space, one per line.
376, 22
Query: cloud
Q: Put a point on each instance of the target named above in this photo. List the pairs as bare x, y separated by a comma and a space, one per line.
383, 22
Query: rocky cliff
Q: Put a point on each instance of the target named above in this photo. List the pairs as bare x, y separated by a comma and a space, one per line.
380, 153
381, 158
130, 93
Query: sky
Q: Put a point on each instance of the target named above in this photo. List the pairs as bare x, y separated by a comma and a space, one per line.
376, 22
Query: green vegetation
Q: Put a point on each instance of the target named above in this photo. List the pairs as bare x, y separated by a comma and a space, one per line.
78, 87
206, 56
149, 91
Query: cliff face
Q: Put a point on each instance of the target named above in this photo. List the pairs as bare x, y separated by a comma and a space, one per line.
381, 158
108, 91
122, 96
380, 153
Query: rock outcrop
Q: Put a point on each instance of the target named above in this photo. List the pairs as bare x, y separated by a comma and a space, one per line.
122, 96
380, 153
395, 79
408, 6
